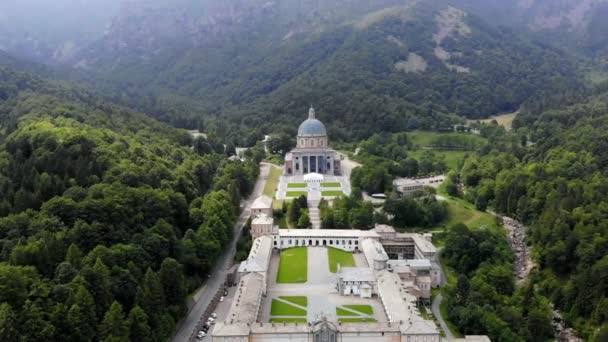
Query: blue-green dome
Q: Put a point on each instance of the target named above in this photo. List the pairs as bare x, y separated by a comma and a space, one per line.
312, 126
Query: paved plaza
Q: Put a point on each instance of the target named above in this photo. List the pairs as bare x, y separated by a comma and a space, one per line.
314, 191
320, 289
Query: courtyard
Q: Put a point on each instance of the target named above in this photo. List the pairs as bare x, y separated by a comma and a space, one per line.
294, 186
302, 286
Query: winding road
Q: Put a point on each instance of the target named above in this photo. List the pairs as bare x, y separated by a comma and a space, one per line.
216, 279
437, 313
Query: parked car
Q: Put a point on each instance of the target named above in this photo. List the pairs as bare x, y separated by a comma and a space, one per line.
225, 292
201, 334
221, 298
214, 315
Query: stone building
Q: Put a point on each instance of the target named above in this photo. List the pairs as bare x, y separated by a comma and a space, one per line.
312, 153
261, 205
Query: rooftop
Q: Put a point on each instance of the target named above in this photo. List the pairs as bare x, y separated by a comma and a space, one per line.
384, 228
312, 127
246, 302
328, 233
400, 305
259, 256
262, 202
357, 274
373, 251
262, 219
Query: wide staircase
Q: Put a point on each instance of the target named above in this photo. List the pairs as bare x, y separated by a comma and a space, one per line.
313, 212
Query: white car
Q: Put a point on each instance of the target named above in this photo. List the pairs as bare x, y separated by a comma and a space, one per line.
214, 315
221, 298
210, 319
201, 334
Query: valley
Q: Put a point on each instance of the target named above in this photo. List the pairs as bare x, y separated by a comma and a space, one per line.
156, 155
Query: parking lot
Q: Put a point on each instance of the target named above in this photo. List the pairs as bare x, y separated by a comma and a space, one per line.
221, 310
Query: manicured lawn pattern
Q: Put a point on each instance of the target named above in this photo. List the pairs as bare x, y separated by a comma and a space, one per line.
364, 309
293, 267
288, 320
332, 193
361, 314
299, 300
279, 308
357, 320
296, 185
338, 256
331, 185
341, 312
296, 193
273, 181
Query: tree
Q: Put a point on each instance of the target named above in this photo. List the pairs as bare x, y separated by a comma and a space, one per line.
73, 255
172, 280
114, 328
150, 296
138, 325
8, 324
304, 220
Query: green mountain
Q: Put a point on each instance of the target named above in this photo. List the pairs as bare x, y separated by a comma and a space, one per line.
386, 66
108, 218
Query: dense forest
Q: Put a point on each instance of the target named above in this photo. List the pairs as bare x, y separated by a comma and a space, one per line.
365, 67
550, 174
109, 219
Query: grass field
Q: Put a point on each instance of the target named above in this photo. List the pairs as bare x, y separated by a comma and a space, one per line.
332, 193
296, 185
452, 158
338, 256
331, 185
461, 211
293, 267
365, 309
357, 320
299, 300
273, 181
425, 138
288, 320
279, 308
296, 193
505, 120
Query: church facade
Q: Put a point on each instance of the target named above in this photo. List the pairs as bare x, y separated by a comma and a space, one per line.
312, 153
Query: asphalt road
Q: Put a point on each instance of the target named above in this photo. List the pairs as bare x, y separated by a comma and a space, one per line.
216, 280
437, 313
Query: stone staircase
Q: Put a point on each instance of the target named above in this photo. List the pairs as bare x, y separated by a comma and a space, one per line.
315, 215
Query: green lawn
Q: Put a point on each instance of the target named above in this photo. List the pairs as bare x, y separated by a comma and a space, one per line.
357, 320
338, 256
279, 308
296, 185
288, 320
293, 267
365, 309
331, 185
270, 188
341, 312
425, 138
461, 211
296, 193
452, 158
333, 193
299, 300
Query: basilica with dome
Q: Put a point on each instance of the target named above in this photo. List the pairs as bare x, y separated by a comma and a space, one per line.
312, 153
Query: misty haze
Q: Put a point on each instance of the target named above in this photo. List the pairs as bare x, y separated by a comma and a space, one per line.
304, 170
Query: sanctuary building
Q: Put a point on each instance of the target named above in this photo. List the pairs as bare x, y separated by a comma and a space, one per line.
312, 153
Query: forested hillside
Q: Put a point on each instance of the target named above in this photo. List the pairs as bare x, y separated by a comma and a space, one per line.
556, 186
109, 218
388, 66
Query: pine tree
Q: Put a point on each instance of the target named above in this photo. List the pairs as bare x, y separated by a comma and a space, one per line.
139, 329
114, 328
